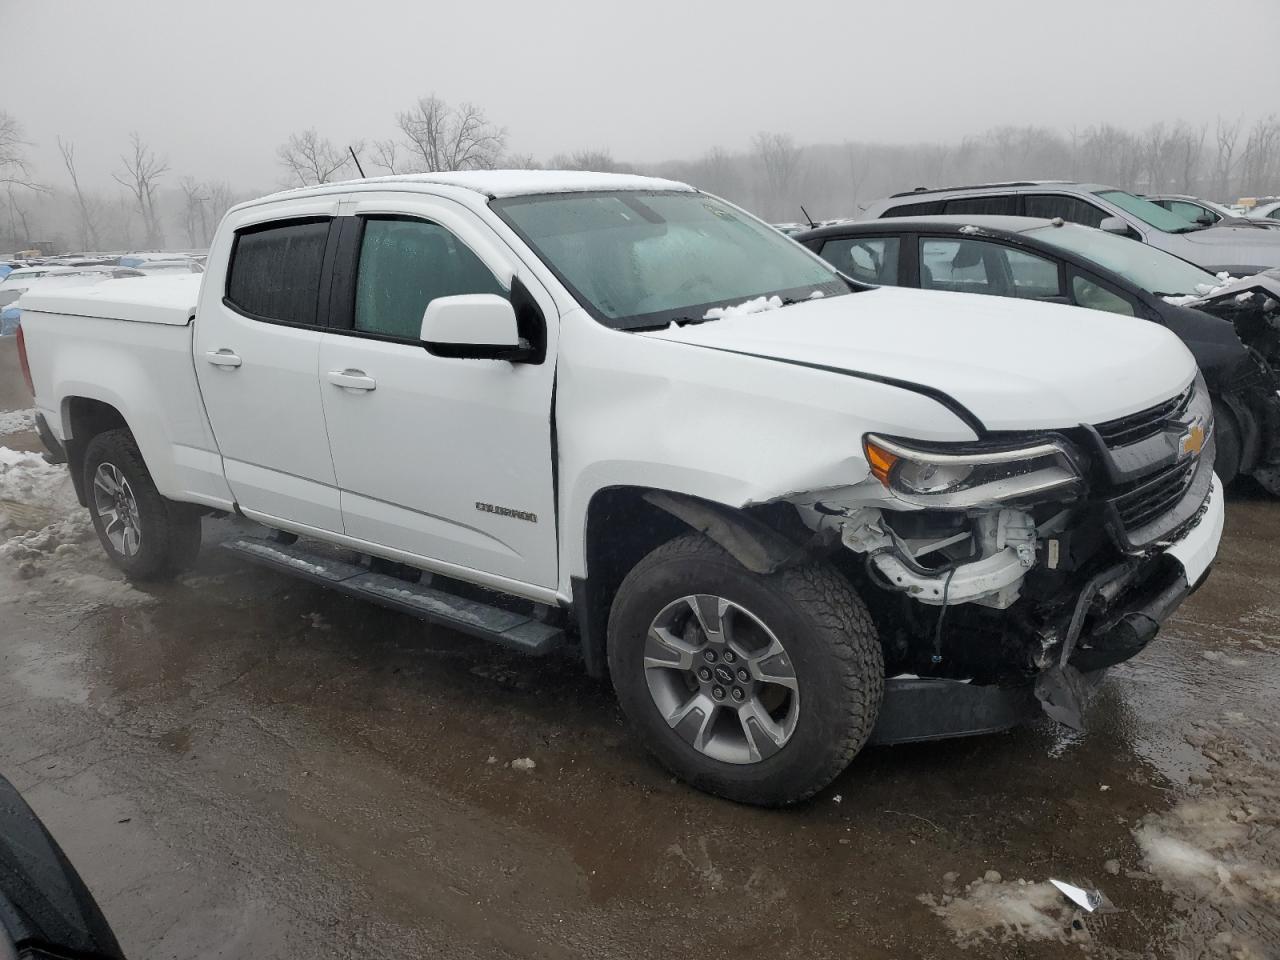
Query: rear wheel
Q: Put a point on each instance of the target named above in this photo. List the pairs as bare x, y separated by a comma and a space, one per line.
144, 534
757, 688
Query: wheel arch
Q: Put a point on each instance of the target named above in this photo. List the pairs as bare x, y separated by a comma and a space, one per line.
624, 523
83, 418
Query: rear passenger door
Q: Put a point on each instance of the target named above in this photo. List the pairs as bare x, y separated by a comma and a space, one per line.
446, 461
256, 350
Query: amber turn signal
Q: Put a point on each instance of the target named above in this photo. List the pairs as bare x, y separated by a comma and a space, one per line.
881, 460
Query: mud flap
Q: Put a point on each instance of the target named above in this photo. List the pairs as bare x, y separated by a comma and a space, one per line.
1065, 693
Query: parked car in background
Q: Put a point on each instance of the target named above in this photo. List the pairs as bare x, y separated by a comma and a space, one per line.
1217, 249
1265, 207
1206, 213
1037, 259
183, 265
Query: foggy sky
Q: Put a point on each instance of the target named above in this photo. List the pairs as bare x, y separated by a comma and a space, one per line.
215, 86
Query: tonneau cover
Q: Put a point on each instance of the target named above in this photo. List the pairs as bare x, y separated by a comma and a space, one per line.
168, 300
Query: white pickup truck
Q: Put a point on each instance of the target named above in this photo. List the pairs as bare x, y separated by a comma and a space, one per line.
783, 512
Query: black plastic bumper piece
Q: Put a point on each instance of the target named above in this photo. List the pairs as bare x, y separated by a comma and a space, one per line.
924, 708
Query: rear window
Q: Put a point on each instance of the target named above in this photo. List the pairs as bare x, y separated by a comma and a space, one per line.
925, 208
1000, 206
275, 271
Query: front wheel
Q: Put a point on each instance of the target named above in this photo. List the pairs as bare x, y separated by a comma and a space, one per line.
757, 688
145, 535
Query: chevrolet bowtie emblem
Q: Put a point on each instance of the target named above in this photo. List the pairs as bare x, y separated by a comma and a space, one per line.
1193, 441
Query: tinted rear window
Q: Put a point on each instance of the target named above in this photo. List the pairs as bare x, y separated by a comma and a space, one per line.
275, 270
1006, 206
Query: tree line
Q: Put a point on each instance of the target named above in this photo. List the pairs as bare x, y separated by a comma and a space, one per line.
773, 175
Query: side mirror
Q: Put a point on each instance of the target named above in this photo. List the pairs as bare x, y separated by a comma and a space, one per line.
1206, 219
473, 326
1114, 225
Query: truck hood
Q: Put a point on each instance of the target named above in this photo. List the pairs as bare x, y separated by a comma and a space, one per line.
1013, 364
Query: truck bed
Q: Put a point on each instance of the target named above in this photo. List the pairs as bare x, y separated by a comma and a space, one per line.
168, 300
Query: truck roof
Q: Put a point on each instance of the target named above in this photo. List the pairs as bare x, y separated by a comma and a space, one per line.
494, 183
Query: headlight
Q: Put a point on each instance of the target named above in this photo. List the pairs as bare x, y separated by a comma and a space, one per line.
969, 475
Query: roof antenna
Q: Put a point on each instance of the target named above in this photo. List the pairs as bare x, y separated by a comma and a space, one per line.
357, 162
812, 225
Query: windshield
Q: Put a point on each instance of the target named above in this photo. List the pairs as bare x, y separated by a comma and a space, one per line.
644, 259
1145, 266
1149, 213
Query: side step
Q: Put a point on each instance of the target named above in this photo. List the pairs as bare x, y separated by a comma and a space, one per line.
517, 630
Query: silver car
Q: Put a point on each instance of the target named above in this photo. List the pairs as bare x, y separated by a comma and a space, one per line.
1240, 252
1206, 213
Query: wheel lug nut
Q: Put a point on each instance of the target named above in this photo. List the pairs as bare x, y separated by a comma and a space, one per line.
729, 656
743, 676
738, 694
718, 692
704, 674
709, 656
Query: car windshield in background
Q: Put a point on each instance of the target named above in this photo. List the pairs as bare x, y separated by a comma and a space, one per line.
1150, 269
644, 259
1149, 213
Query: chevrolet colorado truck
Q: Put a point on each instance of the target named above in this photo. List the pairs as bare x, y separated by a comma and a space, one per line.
783, 512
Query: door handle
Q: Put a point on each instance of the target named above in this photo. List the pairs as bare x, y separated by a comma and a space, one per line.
351, 379
223, 358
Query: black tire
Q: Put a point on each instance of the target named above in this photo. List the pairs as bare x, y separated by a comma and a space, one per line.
169, 531
827, 633
1226, 461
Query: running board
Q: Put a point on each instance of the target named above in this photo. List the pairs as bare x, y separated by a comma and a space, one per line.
517, 630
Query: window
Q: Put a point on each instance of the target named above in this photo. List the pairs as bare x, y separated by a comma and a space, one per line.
1155, 216
926, 208
1191, 212
1070, 209
1092, 294
869, 259
980, 266
642, 259
1143, 265
404, 265
275, 270
1006, 206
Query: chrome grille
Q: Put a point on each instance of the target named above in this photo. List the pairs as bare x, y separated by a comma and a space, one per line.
1139, 426
1154, 496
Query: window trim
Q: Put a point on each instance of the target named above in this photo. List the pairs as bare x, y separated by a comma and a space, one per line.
322, 285
346, 274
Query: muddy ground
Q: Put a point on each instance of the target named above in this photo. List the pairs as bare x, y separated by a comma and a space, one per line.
243, 765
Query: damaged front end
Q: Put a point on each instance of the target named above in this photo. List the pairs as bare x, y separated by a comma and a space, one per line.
1251, 389
1026, 563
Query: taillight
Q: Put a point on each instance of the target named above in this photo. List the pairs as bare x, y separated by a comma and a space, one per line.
22, 360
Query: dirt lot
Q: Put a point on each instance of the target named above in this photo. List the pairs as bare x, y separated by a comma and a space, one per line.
242, 765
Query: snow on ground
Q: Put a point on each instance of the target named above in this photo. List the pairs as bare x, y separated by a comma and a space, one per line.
16, 421
992, 910
1218, 850
48, 547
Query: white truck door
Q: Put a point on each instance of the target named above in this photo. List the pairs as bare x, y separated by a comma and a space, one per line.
257, 345
447, 460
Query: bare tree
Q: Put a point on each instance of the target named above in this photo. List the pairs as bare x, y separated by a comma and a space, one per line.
221, 199
195, 217
386, 154
521, 161
1225, 135
1259, 163
87, 208
441, 137
1187, 148
14, 169
779, 158
141, 175
598, 161
310, 158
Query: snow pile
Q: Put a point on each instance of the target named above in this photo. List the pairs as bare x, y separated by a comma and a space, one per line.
16, 421
758, 305
1203, 290
47, 544
990, 910
1216, 851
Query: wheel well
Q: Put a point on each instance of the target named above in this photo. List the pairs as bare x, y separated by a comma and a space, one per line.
622, 527
85, 419
624, 524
